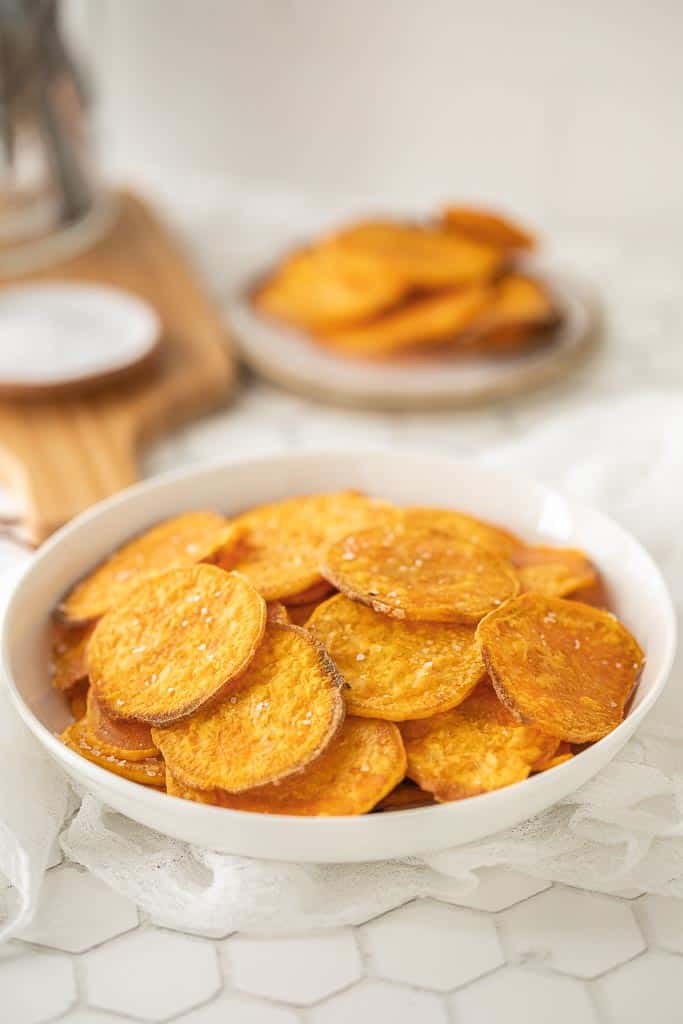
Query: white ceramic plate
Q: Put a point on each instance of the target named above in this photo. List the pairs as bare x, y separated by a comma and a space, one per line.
289, 358
59, 336
638, 593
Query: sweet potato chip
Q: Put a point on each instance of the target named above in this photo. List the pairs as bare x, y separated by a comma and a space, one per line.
418, 322
69, 665
78, 699
129, 741
299, 614
412, 573
555, 572
477, 747
174, 544
486, 226
595, 594
148, 772
281, 549
313, 595
519, 306
277, 612
286, 711
396, 669
328, 287
177, 642
362, 764
563, 752
423, 256
405, 797
563, 666
463, 527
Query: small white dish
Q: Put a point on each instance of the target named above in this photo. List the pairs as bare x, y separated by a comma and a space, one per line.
289, 358
638, 593
67, 336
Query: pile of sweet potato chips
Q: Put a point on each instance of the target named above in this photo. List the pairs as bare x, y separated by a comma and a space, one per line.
336, 654
383, 288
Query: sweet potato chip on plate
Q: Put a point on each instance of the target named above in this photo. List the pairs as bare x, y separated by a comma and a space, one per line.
564, 666
175, 644
281, 548
148, 772
423, 256
174, 544
129, 741
69, 664
397, 669
474, 748
519, 307
286, 711
486, 226
462, 527
328, 287
299, 614
555, 572
413, 573
562, 753
424, 320
404, 797
361, 765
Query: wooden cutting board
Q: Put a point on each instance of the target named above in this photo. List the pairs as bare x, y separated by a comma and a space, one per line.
60, 455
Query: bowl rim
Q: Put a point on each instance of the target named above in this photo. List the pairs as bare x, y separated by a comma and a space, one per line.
150, 796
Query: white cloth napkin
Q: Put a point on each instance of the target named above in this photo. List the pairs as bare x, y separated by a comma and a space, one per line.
622, 831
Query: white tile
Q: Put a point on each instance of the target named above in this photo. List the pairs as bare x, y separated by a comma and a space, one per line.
300, 969
373, 1002
36, 987
649, 988
661, 918
77, 911
571, 931
432, 944
500, 888
233, 1009
151, 974
520, 995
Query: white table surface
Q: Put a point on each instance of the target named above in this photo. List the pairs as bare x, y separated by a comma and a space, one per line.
519, 950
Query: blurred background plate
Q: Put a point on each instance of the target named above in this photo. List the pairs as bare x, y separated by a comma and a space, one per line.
289, 358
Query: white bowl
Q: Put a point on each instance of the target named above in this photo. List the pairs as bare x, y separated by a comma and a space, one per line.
639, 596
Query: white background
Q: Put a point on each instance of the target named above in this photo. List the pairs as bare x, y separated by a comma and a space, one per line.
568, 110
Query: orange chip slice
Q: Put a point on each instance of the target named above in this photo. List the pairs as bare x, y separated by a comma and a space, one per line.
174, 544
286, 711
555, 572
326, 287
418, 322
129, 741
405, 797
519, 307
78, 699
472, 749
486, 226
413, 573
360, 766
281, 550
594, 594
563, 752
313, 595
148, 772
396, 669
299, 614
463, 527
277, 612
177, 643
69, 664
423, 256
564, 666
